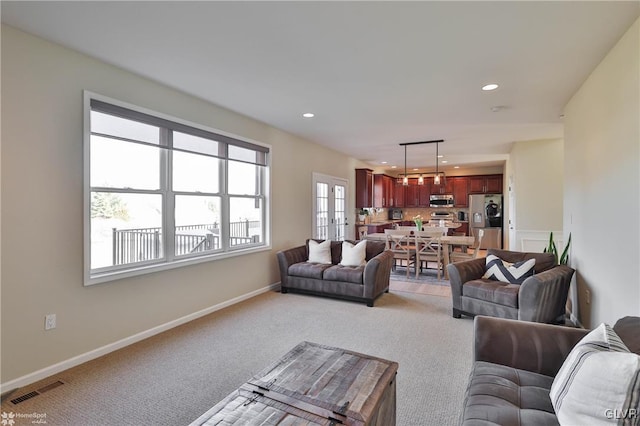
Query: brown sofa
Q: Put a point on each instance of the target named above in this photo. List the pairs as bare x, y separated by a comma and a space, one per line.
515, 363
540, 298
360, 284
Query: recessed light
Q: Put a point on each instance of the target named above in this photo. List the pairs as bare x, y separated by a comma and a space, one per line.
415, 170
308, 115
383, 162
456, 167
440, 156
489, 87
444, 161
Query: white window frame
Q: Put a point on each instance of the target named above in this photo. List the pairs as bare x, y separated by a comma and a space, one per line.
169, 260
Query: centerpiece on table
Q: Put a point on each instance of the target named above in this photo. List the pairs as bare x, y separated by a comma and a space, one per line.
418, 221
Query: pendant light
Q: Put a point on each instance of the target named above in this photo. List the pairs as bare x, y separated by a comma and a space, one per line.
405, 179
436, 178
420, 180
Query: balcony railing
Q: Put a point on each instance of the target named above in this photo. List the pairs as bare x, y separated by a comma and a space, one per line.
141, 244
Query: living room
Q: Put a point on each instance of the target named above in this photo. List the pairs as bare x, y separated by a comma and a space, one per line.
42, 199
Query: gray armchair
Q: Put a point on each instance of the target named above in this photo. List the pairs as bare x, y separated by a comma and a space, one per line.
540, 298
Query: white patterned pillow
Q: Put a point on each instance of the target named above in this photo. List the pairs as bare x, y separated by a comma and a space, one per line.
320, 252
598, 383
513, 273
354, 255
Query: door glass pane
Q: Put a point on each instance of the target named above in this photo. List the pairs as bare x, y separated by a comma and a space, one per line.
125, 228
195, 173
340, 212
197, 224
118, 164
245, 225
322, 210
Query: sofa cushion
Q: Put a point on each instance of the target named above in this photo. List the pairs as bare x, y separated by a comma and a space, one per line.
513, 273
627, 329
353, 255
347, 274
308, 269
503, 395
598, 381
319, 252
492, 291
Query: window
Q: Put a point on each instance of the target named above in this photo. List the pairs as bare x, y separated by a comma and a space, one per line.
161, 193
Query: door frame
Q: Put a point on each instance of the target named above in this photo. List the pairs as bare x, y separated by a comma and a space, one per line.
332, 181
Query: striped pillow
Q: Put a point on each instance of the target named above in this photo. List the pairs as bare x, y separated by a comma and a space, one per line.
513, 273
598, 383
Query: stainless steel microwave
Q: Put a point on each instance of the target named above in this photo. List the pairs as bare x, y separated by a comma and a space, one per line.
441, 200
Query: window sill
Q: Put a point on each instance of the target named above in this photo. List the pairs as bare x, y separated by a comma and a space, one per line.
92, 279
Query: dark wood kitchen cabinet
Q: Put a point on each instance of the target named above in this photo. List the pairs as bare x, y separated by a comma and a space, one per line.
445, 186
412, 194
364, 188
383, 190
399, 195
485, 184
460, 191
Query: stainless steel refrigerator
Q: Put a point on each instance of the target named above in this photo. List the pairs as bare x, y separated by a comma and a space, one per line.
485, 212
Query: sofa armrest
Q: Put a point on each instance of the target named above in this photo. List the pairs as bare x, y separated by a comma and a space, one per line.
531, 346
376, 274
460, 273
287, 258
542, 297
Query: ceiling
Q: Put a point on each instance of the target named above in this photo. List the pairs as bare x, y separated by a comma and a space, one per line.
375, 74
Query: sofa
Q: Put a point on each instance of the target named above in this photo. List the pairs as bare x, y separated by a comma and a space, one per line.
541, 297
514, 366
362, 283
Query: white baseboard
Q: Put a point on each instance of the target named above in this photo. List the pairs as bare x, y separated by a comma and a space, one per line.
88, 356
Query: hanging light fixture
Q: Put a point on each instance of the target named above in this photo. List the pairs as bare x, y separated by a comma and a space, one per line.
405, 179
436, 178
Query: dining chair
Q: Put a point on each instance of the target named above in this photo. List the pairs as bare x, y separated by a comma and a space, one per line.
459, 256
362, 232
428, 249
400, 242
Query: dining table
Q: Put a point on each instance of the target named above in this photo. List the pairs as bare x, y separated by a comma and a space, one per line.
448, 242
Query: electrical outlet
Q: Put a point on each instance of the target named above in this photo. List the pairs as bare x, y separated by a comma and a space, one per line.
50, 321
587, 294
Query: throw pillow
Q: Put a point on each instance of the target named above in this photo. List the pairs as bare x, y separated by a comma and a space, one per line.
320, 252
513, 273
353, 255
598, 383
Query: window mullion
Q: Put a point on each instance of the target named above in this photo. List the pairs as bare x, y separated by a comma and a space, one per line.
166, 172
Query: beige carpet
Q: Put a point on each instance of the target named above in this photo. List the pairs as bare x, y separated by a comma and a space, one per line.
172, 378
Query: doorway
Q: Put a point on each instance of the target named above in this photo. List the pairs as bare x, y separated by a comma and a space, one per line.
329, 208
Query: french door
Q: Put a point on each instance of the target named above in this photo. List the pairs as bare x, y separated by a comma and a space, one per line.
329, 208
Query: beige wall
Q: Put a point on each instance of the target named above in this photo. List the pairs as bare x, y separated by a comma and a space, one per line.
42, 240
602, 184
535, 169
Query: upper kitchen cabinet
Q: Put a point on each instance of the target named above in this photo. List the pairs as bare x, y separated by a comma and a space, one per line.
485, 184
399, 194
364, 188
445, 186
460, 191
412, 194
383, 190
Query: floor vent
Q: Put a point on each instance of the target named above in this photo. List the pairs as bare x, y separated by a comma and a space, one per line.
35, 393
24, 397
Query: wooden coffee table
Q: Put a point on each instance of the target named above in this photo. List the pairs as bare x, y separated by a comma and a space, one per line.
313, 384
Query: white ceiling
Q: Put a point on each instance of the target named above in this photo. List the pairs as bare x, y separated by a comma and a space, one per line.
375, 73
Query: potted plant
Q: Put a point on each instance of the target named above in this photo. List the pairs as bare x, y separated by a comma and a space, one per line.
362, 214
551, 248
